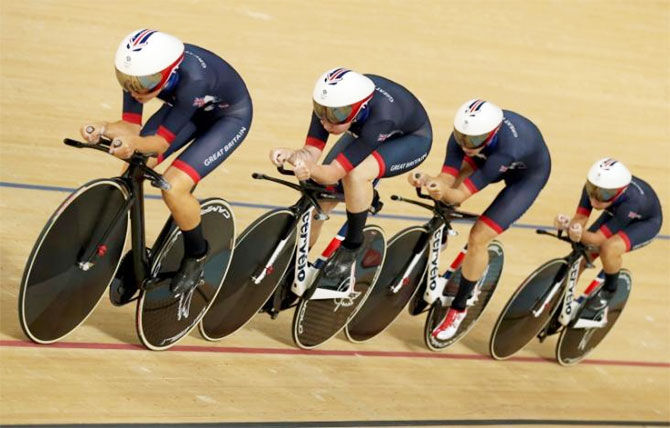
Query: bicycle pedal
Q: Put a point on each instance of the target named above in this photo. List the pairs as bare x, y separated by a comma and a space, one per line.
154, 282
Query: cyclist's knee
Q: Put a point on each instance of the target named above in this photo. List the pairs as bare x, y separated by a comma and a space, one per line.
366, 171
613, 247
480, 236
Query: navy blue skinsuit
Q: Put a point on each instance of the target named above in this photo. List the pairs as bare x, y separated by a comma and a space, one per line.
393, 128
206, 100
517, 155
635, 215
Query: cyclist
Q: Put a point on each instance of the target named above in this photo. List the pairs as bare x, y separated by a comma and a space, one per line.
384, 130
487, 145
631, 219
206, 102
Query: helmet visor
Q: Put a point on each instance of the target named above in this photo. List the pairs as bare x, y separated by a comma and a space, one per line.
339, 115
600, 194
470, 141
139, 84
334, 115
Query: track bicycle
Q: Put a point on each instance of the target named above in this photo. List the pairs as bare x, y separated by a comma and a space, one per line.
270, 271
79, 252
546, 304
410, 276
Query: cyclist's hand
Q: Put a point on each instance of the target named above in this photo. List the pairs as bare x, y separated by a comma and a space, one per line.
279, 156
122, 147
575, 232
561, 222
417, 179
434, 188
92, 132
302, 170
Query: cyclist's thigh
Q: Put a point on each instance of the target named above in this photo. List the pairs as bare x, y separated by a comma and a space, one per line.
512, 202
640, 233
399, 155
213, 146
599, 225
185, 135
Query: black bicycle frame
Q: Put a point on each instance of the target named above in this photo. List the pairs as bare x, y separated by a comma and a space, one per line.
579, 251
443, 215
133, 178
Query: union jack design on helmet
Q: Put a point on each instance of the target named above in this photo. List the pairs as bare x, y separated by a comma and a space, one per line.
335, 76
475, 106
607, 179
608, 163
476, 123
139, 40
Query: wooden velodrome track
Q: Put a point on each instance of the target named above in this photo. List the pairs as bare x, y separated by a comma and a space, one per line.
594, 76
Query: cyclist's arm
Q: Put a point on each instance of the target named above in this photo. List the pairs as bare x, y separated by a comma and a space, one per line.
451, 167
581, 217
453, 195
121, 128
477, 181
468, 167
593, 239
328, 174
314, 143
308, 153
149, 144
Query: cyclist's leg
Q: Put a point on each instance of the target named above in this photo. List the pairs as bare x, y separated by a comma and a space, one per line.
182, 138
393, 157
510, 204
207, 152
634, 236
328, 206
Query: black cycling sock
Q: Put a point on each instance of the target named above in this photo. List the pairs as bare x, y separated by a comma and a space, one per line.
355, 224
194, 242
611, 280
464, 290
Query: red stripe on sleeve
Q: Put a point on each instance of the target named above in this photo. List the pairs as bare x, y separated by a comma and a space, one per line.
344, 162
450, 170
470, 162
315, 142
165, 133
584, 211
132, 118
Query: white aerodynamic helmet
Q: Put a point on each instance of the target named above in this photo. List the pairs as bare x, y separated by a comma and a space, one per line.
476, 123
607, 179
339, 94
146, 58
